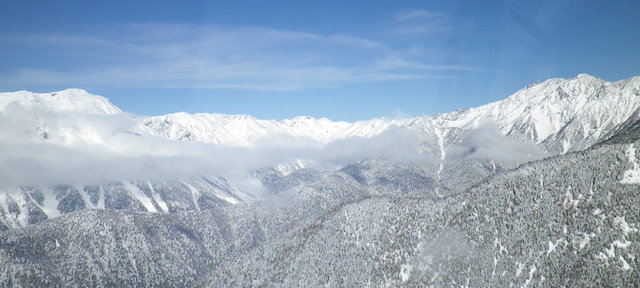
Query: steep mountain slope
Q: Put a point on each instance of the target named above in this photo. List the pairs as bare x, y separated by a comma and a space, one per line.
33, 204
564, 115
569, 220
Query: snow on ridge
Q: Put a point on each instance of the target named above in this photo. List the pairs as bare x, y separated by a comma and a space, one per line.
245, 130
570, 110
69, 100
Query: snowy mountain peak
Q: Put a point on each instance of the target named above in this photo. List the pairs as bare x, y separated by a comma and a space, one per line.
632, 83
585, 76
69, 100
562, 114
557, 89
245, 130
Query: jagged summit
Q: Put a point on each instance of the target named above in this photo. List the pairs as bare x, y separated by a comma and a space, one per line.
563, 114
585, 76
245, 130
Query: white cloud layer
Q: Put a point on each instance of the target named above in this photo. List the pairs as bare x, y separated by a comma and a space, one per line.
486, 142
420, 22
43, 148
39, 147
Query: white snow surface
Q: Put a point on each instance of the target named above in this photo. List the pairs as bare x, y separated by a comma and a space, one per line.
245, 130
632, 176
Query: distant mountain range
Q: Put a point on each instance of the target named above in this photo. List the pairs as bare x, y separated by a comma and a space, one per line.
537, 190
557, 115
564, 114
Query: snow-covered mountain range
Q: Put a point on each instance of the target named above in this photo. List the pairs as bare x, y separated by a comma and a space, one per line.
110, 199
564, 114
76, 140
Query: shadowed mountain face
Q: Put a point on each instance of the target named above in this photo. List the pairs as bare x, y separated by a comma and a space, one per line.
31, 205
454, 212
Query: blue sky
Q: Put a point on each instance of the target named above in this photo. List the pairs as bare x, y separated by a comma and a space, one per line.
345, 60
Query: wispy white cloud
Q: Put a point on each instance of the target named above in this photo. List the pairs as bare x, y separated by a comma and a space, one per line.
395, 62
486, 142
419, 29
420, 22
179, 55
416, 14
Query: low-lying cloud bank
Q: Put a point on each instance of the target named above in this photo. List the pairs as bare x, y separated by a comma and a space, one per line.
45, 148
40, 147
486, 142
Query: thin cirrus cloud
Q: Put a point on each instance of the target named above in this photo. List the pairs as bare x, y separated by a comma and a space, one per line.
204, 56
416, 14
420, 22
